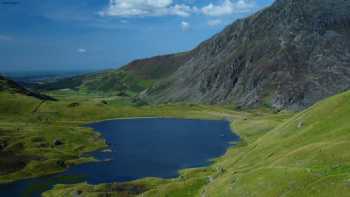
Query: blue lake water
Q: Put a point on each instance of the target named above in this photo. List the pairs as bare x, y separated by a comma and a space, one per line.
140, 148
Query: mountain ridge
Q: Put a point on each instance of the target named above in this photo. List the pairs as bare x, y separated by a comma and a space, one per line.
288, 55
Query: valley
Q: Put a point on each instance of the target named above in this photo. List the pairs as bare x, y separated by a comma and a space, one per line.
31, 134
279, 80
301, 154
281, 148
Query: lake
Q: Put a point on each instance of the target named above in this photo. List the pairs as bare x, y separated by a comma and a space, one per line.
145, 147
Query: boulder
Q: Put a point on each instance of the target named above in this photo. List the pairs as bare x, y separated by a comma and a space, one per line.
300, 125
74, 104
57, 142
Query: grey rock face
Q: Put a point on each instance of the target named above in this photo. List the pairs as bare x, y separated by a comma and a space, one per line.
289, 55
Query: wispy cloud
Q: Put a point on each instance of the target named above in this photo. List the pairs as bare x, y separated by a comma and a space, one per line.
146, 8
124, 21
129, 8
214, 22
185, 26
228, 7
81, 50
5, 38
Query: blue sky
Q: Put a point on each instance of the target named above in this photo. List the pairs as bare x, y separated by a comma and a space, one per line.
99, 34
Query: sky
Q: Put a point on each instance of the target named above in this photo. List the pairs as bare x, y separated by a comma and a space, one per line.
101, 34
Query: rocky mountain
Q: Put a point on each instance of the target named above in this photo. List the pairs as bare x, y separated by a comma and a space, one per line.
10, 86
289, 55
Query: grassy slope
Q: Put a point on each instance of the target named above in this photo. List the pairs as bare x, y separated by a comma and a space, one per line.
306, 155
29, 138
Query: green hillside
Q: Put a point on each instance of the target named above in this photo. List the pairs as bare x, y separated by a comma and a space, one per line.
111, 82
32, 140
307, 155
129, 80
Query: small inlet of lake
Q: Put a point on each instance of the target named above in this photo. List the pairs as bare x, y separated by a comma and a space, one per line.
138, 148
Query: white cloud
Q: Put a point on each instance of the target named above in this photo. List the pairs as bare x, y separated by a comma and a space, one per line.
145, 8
214, 22
228, 7
185, 26
81, 50
181, 10
128, 8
